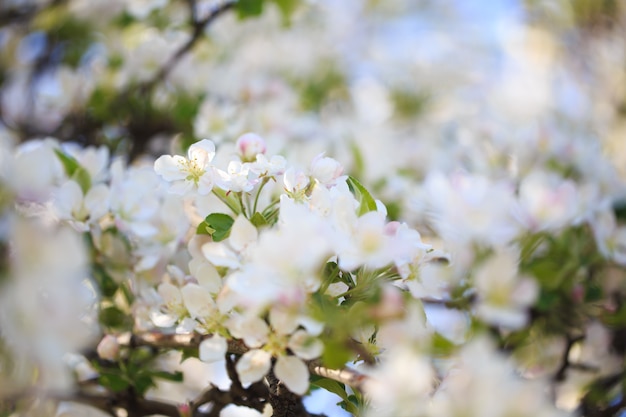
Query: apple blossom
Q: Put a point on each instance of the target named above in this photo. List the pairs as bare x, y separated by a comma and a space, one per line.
191, 173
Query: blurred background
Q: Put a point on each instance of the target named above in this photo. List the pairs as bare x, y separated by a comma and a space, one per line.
397, 86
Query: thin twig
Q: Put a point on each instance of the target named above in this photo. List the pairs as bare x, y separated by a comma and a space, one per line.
198, 29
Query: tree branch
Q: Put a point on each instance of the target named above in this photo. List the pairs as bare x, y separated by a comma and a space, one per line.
176, 341
198, 29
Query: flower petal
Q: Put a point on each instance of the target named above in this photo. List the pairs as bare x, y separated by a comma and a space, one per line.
304, 345
206, 274
253, 366
198, 301
294, 373
213, 349
242, 233
169, 167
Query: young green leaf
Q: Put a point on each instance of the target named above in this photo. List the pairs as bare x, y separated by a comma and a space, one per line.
74, 170
367, 202
331, 386
258, 220
249, 8
287, 7
113, 380
217, 225
170, 376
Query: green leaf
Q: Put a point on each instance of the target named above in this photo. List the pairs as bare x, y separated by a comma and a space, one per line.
335, 355
113, 317
74, 170
358, 160
114, 381
249, 8
594, 293
547, 300
191, 352
143, 382
441, 345
366, 201
258, 220
170, 376
351, 405
108, 286
217, 225
287, 7
332, 386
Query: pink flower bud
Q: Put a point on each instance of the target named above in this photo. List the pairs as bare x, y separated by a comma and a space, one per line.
108, 348
184, 410
249, 146
391, 228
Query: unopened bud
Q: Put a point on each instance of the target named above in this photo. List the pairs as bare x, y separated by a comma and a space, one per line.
249, 146
108, 348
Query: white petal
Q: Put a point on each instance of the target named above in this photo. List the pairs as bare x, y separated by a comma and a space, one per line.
283, 321
213, 349
294, 373
305, 346
181, 187
233, 410
170, 293
205, 183
68, 199
253, 330
202, 151
206, 274
242, 233
220, 255
169, 167
253, 366
97, 201
312, 326
198, 301
142, 229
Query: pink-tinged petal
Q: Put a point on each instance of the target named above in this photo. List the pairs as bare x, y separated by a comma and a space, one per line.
170, 167
253, 366
213, 349
249, 145
294, 373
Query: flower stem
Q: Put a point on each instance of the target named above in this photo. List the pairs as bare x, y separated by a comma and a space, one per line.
258, 193
228, 200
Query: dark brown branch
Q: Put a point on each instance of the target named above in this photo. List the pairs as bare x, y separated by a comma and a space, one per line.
177, 341
565, 362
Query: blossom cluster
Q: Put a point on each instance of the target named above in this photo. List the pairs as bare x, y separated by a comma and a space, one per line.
465, 257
